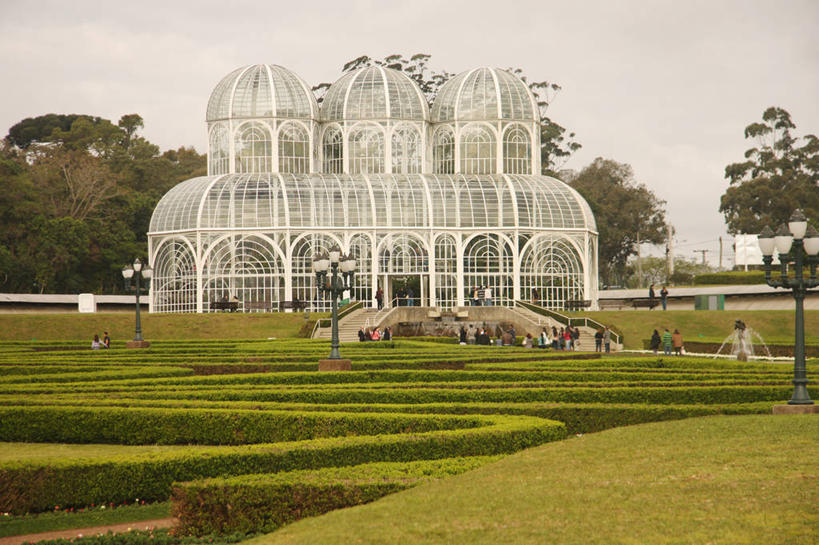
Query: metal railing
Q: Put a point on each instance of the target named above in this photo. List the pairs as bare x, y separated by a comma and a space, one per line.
568, 320
327, 322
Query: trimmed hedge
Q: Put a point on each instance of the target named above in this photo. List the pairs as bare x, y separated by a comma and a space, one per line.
263, 503
141, 537
146, 426
730, 277
39, 484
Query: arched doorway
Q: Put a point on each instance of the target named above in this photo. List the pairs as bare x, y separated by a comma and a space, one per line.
403, 270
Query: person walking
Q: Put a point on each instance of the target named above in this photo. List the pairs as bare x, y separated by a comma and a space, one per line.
106, 340
664, 297
361, 335
555, 339
462, 335
677, 342
667, 339
387, 334
95, 344
598, 341
470, 334
379, 298
543, 339
651, 297
487, 295
607, 339
575, 337
654, 344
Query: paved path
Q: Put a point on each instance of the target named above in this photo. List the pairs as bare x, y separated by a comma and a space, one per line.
116, 528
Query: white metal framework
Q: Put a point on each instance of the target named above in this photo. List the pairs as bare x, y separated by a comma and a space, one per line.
452, 200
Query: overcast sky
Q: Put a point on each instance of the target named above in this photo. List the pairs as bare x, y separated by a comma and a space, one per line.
665, 86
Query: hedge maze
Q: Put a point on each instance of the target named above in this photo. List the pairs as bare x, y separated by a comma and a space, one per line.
252, 425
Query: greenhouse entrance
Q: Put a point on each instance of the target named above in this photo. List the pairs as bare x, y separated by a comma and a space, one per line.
407, 290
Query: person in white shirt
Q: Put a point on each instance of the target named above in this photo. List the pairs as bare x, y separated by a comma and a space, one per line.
487, 295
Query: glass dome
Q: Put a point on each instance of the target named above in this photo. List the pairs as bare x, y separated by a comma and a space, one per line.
262, 91
374, 93
285, 201
484, 94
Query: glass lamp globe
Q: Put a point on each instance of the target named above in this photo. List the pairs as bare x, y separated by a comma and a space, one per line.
127, 272
766, 241
137, 265
811, 241
797, 224
335, 254
783, 239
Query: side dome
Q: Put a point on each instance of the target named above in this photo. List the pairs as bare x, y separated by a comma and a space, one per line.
485, 94
262, 91
374, 93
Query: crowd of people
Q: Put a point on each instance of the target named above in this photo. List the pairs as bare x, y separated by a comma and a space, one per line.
375, 334
668, 341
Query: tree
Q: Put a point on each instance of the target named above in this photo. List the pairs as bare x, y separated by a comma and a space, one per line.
655, 271
780, 174
556, 146
623, 210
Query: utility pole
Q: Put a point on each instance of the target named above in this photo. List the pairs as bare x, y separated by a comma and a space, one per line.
639, 263
720, 253
703, 252
669, 252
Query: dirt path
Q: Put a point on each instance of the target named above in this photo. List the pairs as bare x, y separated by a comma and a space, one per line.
116, 528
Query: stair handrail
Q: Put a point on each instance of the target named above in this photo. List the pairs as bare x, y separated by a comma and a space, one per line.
327, 322
379, 317
567, 320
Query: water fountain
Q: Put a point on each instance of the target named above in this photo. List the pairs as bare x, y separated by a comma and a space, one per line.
742, 344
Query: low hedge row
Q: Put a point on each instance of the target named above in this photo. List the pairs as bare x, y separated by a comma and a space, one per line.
39, 484
653, 395
155, 372
164, 536
148, 426
263, 503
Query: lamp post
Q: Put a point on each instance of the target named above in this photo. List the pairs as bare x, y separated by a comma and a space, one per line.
137, 271
334, 276
798, 244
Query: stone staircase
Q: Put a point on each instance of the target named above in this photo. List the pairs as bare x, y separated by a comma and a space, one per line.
586, 343
348, 326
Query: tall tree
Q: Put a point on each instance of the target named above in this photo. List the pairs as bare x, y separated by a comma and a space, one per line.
556, 145
623, 209
779, 174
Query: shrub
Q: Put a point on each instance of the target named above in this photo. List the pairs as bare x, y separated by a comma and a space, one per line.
263, 503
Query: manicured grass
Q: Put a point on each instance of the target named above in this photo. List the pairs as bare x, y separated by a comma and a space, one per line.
120, 326
95, 516
637, 325
717, 480
31, 452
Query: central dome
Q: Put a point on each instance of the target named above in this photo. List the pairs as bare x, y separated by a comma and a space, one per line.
374, 93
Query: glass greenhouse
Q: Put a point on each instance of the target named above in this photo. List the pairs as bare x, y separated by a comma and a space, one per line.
444, 199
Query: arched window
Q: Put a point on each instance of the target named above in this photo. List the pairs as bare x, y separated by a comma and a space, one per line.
219, 150
406, 150
253, 148
367, 151
443, 152
478, 150
294, 149
333, 151
516, 151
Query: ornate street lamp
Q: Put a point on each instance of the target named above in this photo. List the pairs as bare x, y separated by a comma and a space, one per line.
334, 276
798, 244
137, 271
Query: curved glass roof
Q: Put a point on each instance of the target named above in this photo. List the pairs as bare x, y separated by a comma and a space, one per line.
374, 93
485, 94
262, 90
283, 201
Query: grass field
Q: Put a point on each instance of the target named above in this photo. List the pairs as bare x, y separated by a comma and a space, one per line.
773, 325
120, 326
717, 480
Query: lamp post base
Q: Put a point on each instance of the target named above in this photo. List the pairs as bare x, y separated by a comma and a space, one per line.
335, 365
796, 409
137, 344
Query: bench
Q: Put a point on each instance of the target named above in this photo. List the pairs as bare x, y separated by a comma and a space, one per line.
576, 304
264, 306
645, 303
231, 306
295, 305
612, 303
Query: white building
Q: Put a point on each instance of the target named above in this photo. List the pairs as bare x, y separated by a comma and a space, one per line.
442, 199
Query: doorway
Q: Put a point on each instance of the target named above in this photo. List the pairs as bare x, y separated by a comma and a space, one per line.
407, 290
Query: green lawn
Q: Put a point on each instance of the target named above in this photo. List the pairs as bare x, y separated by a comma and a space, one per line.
120, 325
717, 480
636, 325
